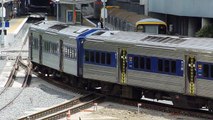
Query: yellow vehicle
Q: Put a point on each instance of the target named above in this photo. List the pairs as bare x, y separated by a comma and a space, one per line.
124, 20
151, 25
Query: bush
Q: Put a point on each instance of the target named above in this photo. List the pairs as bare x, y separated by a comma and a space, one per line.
206, 31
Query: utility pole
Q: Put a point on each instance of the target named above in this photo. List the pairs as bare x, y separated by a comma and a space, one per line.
2, 21
57, 2
104, 13
104, 4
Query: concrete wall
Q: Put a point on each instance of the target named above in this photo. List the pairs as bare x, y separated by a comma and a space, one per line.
131, 6
193, 8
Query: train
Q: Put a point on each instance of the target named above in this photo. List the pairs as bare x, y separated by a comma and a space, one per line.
126, 64
129, 21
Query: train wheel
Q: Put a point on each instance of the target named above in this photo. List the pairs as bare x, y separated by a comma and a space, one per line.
136, 93
210, 106
211, 110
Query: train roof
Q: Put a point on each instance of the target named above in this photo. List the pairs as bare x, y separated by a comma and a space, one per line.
59, 28
204, 45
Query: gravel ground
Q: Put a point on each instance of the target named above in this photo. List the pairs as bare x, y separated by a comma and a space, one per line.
123, 112
2, 63
39, 95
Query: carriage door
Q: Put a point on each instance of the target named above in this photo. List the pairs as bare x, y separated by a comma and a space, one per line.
61, 64
191, 75
40, 49
122, 66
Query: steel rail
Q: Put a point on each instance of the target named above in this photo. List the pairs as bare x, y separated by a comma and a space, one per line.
59, 110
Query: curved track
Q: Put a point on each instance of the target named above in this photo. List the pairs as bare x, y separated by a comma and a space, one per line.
18, 63
59, 111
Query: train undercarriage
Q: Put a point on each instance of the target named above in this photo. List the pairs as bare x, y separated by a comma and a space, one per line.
131, 92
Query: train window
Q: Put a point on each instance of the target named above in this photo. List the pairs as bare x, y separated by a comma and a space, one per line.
92, 56
148, 63
103, 61
108, 58
68, 52
140, 28
35, 43
160, 65
47, 46
97, 57
54, 48
205, 70
166, 66
75, 53
211, 71
136, 65
142, 61
173, 66
87, 56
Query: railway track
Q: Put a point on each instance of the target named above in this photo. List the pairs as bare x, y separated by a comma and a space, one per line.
19, 63
59, 111
144, 103
10, 81
162, 107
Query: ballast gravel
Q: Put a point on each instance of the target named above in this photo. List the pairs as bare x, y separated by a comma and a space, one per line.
39, 96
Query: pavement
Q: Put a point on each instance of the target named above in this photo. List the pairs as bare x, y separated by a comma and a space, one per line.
16, 35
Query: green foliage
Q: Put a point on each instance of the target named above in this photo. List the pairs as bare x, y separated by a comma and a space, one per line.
206, 31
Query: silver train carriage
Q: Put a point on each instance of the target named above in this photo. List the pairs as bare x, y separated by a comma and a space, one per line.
55, 45
162, 67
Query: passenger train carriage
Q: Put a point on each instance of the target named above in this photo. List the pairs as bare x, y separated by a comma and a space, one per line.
128, 64
162, 67
54, 45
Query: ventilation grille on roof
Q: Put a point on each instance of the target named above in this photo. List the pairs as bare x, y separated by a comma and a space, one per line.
163, 39
58, 26
99, 33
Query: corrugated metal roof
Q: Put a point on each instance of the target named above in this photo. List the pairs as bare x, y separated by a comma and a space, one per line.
126, 15
160, 41
59, 27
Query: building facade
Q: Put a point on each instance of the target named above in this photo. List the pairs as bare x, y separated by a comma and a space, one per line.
184, 17
70, 11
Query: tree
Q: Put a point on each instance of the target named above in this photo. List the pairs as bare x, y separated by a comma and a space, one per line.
206, 31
